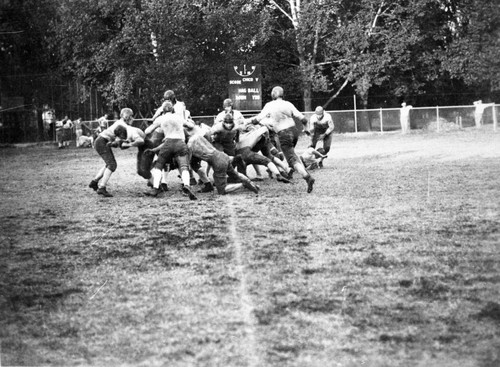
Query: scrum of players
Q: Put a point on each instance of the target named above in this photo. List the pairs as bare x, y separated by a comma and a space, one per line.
174, 141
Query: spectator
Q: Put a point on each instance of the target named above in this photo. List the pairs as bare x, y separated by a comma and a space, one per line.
78, 131
49, 118
404, 117
82, 141
478, 113
103, 122
68, 126
59, 133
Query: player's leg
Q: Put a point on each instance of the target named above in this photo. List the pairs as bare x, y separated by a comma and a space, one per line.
286, 141
196, 165
183, 162
258, 172
104, 174
244, 181
164, 156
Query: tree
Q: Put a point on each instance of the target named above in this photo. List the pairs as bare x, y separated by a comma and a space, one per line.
386, 42
134, 50
25, 60
99, 44
197, 43
473, 56
311, 23
24, 31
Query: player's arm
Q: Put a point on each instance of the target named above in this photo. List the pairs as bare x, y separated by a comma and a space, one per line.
219, 118
309, 127
318, 154
265, 113
188, 123
267, 122
152, 127
155, 150
240, 125
158, 112
119, 130
135, 139
331, 126
298, 116
216, 129
239, 118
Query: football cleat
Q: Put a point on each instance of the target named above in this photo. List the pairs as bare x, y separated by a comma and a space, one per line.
310, 183
250, 186
93, 185
187, 190
207, 187
280, 178
102, 191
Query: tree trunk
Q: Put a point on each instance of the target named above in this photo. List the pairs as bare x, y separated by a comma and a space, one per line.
365, 123
307, 98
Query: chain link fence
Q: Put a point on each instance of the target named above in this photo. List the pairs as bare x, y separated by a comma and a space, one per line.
439, 118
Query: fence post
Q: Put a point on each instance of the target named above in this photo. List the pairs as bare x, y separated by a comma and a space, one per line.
355, 116
495, 122
381, 121
438, 127
90, 104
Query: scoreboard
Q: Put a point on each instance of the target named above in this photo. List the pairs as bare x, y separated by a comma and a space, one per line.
245, 87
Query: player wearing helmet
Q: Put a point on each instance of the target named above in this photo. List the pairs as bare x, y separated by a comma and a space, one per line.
173, 147
280, 116
256, 139
221, 163
179, 107
105, 141
239, 122
321, 129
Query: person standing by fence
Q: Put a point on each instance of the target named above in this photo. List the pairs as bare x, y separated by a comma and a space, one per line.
67, 131
103, 121
405, 117
78, 131
478, 112
49, 118
59, 133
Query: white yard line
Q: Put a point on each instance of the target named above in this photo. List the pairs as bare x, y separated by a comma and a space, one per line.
250, 348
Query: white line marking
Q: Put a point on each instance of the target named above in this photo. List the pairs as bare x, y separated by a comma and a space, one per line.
250, 348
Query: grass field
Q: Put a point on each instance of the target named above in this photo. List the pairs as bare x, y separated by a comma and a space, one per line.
393, 260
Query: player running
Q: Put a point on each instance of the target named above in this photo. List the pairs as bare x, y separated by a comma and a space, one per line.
281, 115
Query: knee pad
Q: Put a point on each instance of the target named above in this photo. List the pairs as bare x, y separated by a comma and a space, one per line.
112, 167
144, 173
182, 163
